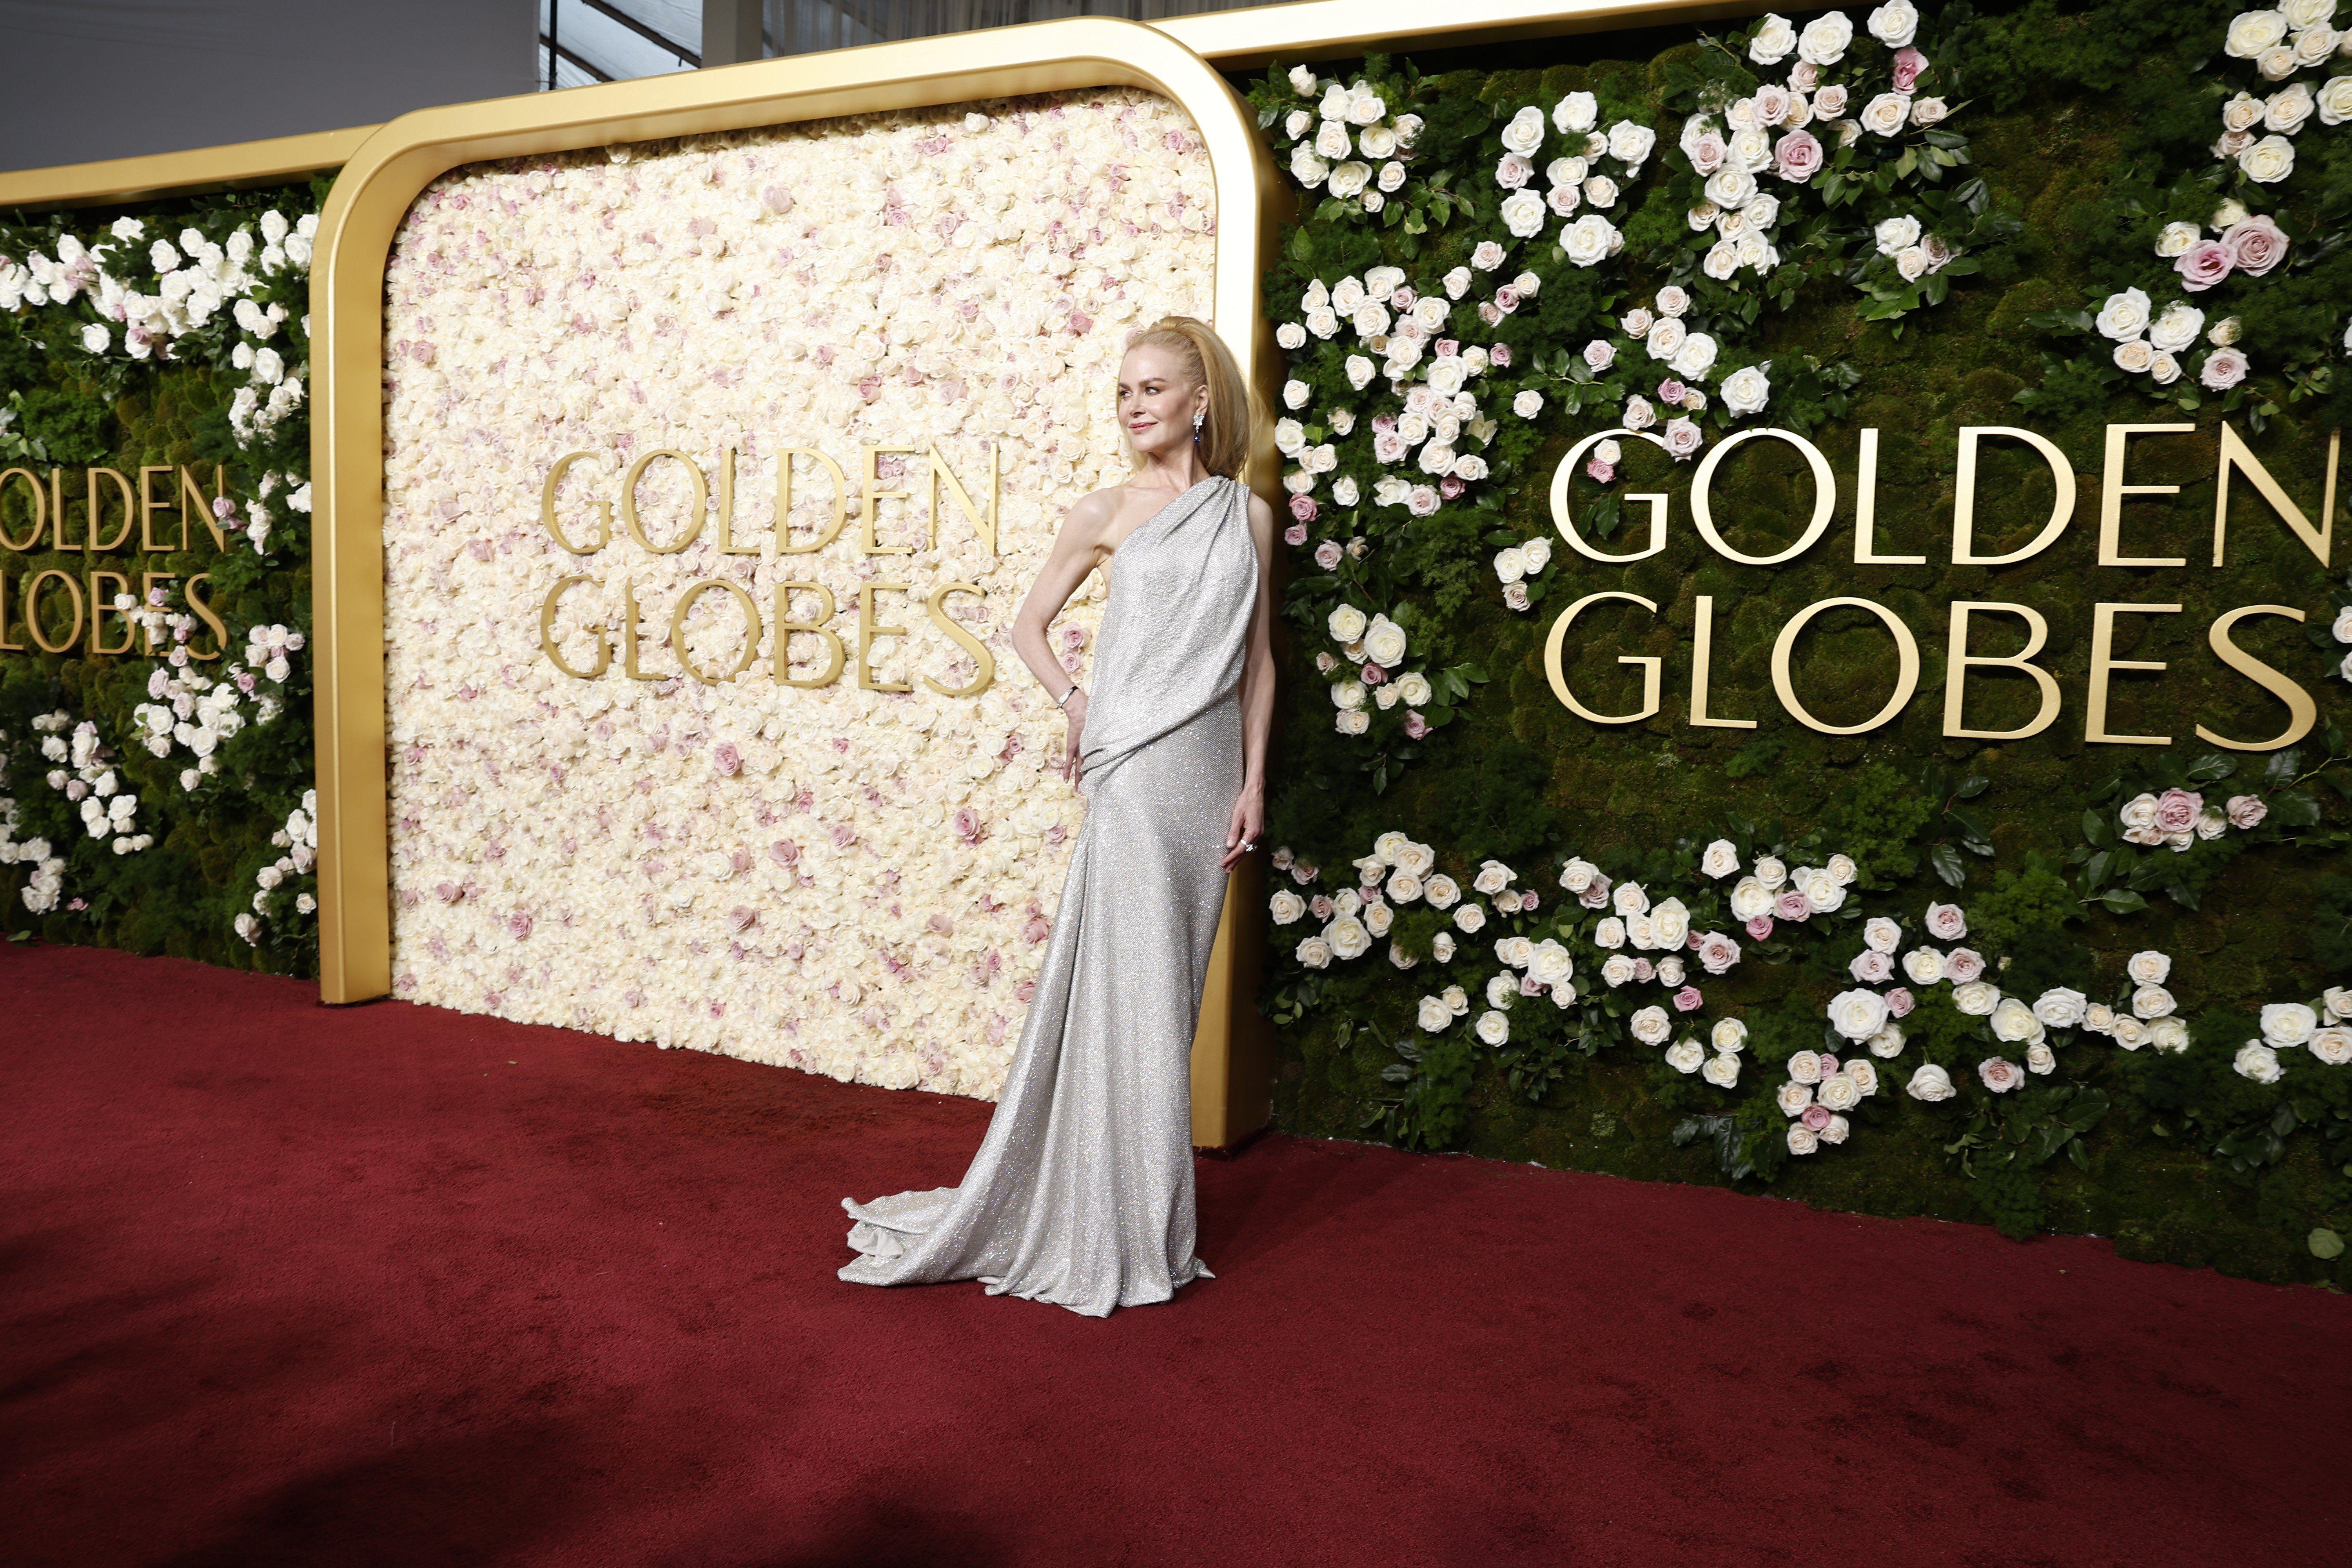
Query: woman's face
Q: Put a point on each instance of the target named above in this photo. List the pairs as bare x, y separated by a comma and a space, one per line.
1157, 400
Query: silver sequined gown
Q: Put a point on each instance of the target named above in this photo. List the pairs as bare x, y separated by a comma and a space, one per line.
1082, 1191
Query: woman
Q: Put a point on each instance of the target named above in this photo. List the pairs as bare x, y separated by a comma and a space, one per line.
1082, 1191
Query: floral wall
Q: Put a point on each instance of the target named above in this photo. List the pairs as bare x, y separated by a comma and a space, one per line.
155, 772
1544, 893
774, 865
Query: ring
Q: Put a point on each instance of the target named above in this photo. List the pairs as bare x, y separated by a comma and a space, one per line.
1247, 846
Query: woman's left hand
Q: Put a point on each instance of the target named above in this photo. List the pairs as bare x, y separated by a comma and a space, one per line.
1249, 822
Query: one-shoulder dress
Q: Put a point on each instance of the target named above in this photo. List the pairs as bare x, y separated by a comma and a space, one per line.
1082, 1191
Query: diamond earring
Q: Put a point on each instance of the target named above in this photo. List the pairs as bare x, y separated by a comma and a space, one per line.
1197, 419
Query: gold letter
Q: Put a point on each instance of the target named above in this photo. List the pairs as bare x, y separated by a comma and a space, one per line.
40, 511
32, 611
1959, 660
1906, 679
1650, 666
547, 507
972, 645
5, 646
2302, 712
91, 542
547, 633
1824, 497
1865, 510
1702, 655
727, 545
102, 605
751, 629
149, 505
867, 631
191, 491
700, 504
984, 521
1964, 508
786, 627
629, 634
875, 495
147, 581
784, 545
2103, 643
1560, 476
2112, 490
2234, 454
197, 603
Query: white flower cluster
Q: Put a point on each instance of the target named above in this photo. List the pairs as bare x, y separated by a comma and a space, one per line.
1728, 1038
195, 279
1573, 176
1659, 331
1375, 646
1398, 871
2324, 1029
300, 839
1916, 253
1820, 1091
2282, 43
47, 884
1771, 891
199, 712
1515, 563
259, 515
2180, 817
108, 810
854, 882
1337, 147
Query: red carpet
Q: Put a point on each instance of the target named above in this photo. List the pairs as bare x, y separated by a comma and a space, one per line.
283, 1285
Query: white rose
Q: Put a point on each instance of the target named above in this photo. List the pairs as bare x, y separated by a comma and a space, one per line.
1302, 81
1670, 925
2301, 14
2013, 1021
1750, 898
1522, 213
2124, 316
1352, 722
1685, 1056
2041, 1059
2288, 1023
1977, 998
1287, 908
1650, 1026
1884, 115
2168, 1035
1578, 874
1746, 390
2268, 161
1470, 919
2059, 1007
1895, 24
1793, 1097
1588, 240
1551, 963
1384, 642
1315, 952
2151, 1002
1881, 934
1923, 966
1493, 1027
1306, 167
1821, 891
1442, 892
1579, 111
1805, 1067
2287, 109
1839, 1092
1730, 1035
1695, 357
1723, 1072
1628, 899
1720, 858
1348, 178
1346, 624
2252, 32
2331, 1044
2336, 100
1525, 132
1774, 39
2177, 327
2257, 1062
1931, 1083
1825, 39
1630, 143
1617, 969
1857, 1014
1887, 1042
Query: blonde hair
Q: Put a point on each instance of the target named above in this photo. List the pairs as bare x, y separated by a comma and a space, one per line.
1225, 431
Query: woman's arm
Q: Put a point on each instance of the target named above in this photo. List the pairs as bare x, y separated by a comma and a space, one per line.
1077, 550
1258, 694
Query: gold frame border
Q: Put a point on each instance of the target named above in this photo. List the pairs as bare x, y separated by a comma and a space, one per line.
1231, 1055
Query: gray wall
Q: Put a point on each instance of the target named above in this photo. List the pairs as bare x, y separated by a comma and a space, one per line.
115, 78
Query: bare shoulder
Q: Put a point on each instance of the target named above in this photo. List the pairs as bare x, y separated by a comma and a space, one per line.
1261, 517
1087, 523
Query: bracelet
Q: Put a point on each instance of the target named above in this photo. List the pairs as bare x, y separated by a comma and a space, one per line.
1063, 701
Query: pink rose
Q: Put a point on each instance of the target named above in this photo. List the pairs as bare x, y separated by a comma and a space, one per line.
1447, 348
1644, 971
1422, 501
1513, 172
1527, 903
518, 924
1946, 922
1499, 356
1708, 157
1025, 993
1388, 445
1797, 157
966, 825
1319, 907
1688, 1000
726, 759
1671, 391
2255, 245
1816, 1116
1899, 1002
2177, 809
1506, 299
1909, 65
1829, 1065
1295, 535
1793, 906
2247, 811
1530, 986
1491, 313
1303, 508
1963, 965
2204, 264
1596, 893
1599, 354
1415, 726
1998, 1074
741, 918
1600, 471
2224, 368
1760, 928
1717, 952
1373, 674
1872, 967
1328, 555
1452, 485
784, 852
1403, 298
1037, 930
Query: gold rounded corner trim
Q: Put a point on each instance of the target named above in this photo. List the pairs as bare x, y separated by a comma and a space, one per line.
192, 172
387, 171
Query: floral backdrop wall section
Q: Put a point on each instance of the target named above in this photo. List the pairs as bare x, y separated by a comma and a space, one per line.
856, 875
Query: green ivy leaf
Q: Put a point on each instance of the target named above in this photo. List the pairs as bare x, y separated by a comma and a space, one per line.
2123, 901
1947, 860
2325, 1244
